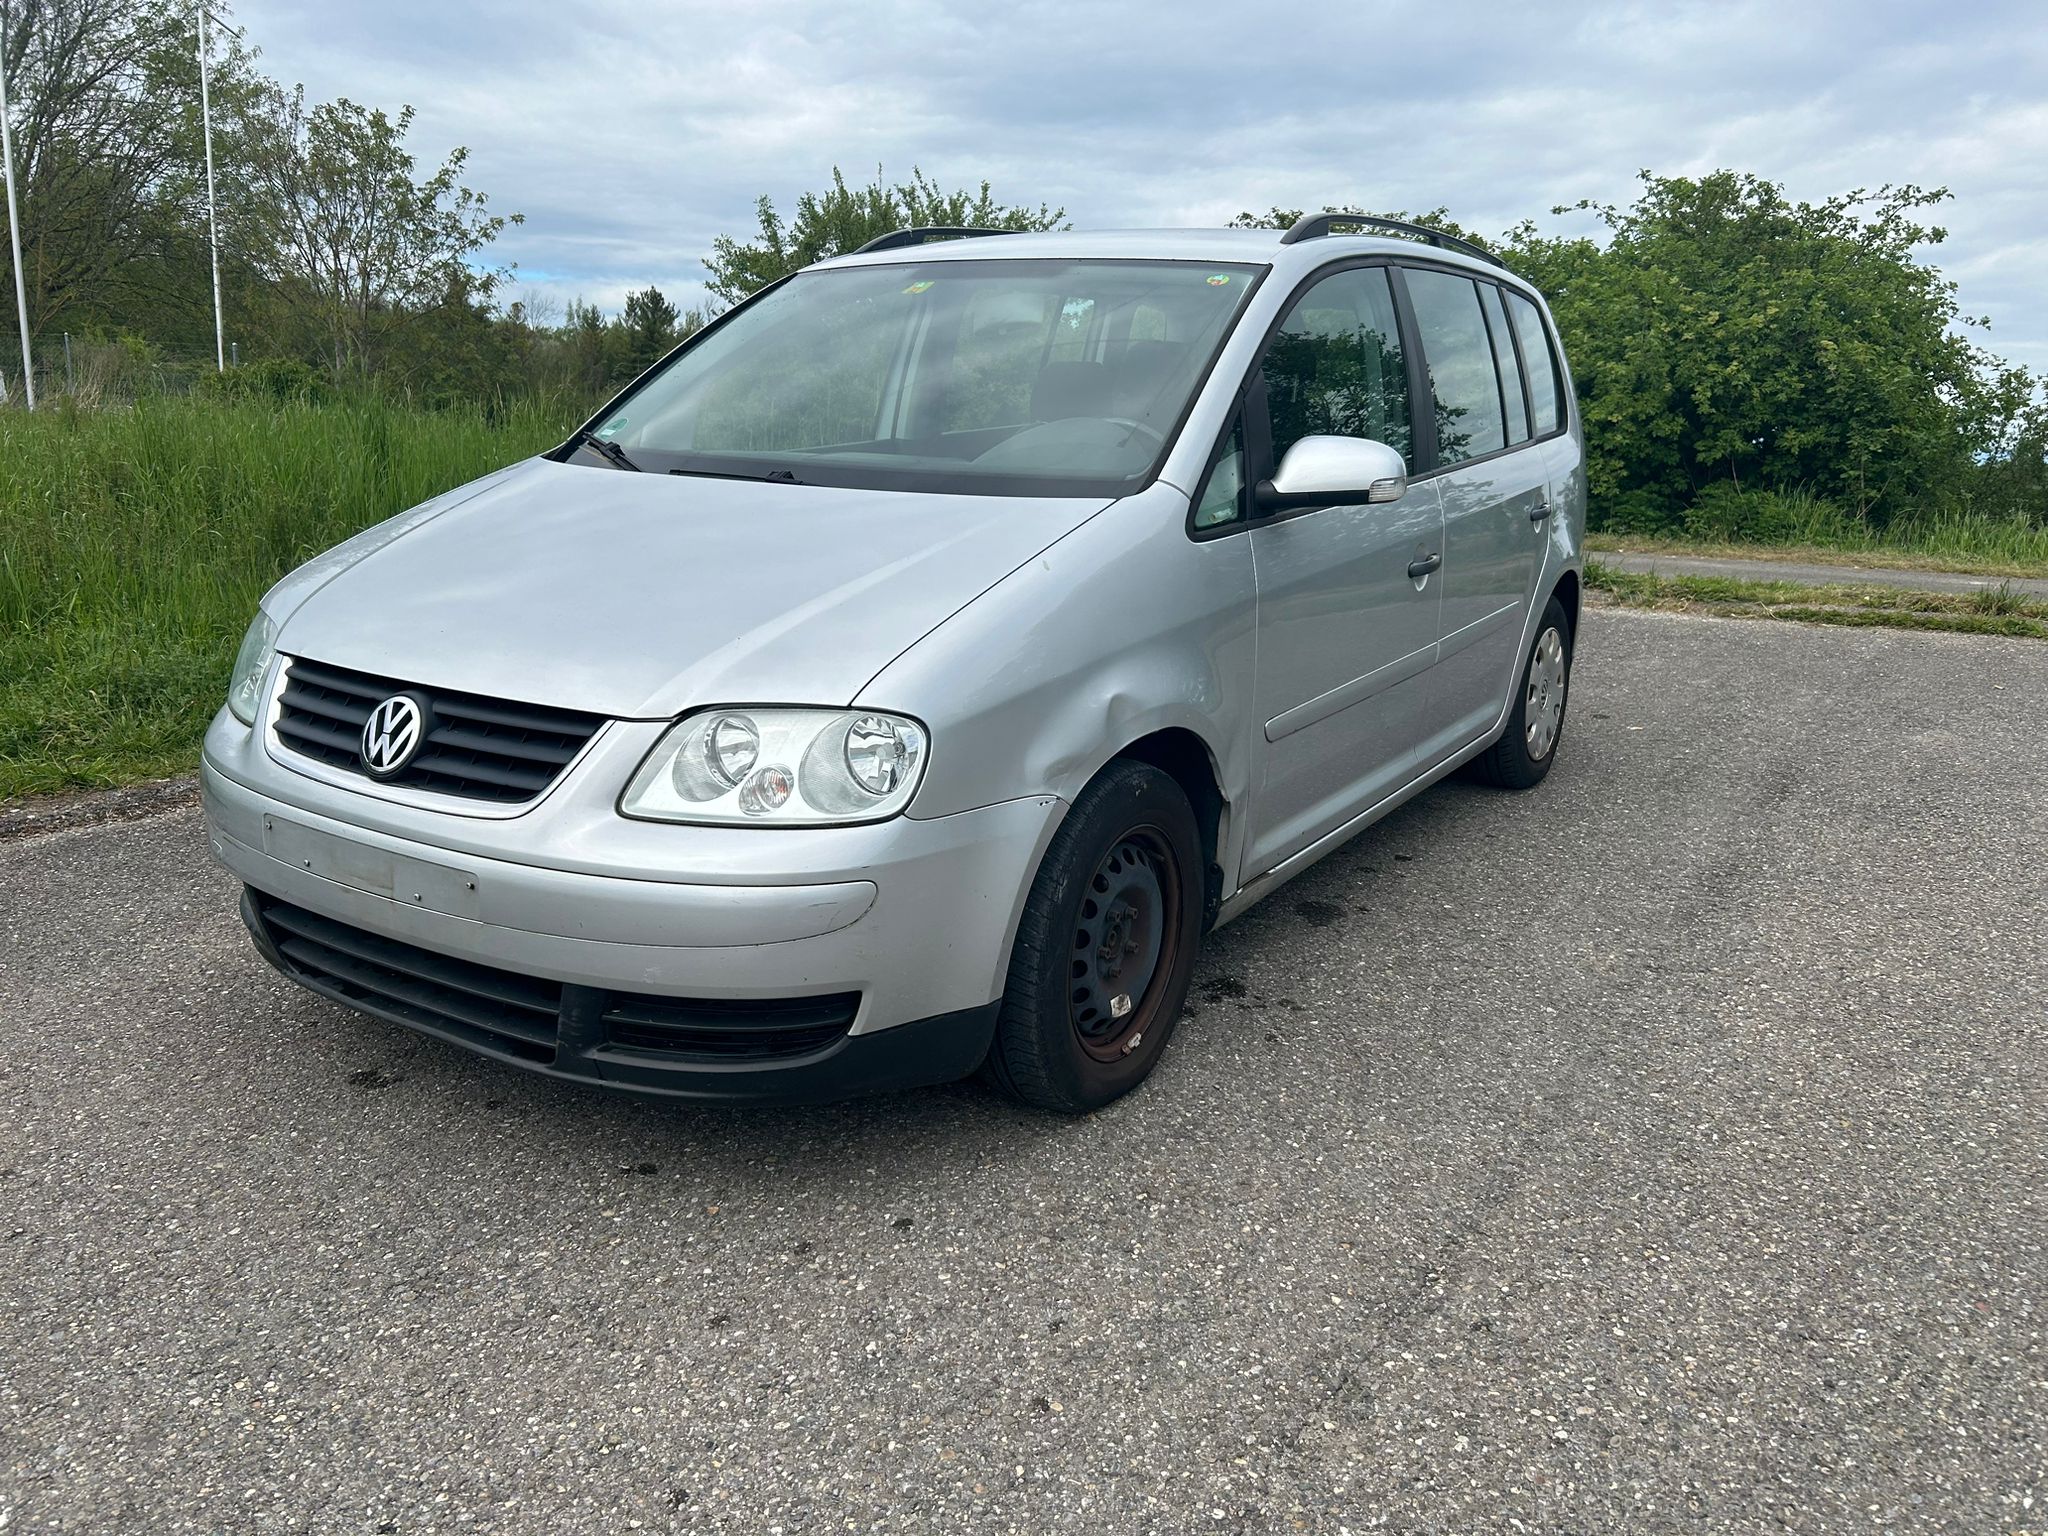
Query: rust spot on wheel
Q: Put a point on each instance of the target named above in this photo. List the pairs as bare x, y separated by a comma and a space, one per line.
1126, 942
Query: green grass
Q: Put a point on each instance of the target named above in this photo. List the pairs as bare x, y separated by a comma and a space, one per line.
1994, 550
1793, 524
135, 544
1998, 611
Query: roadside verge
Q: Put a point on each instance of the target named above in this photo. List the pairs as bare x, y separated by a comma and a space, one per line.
1895, 599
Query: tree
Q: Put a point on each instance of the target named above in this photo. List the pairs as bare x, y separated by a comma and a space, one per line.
1725, 341
844, 218
649, 324
354, 244
104, 98
1725, 335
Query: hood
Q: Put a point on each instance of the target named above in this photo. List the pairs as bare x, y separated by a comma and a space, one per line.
641, 595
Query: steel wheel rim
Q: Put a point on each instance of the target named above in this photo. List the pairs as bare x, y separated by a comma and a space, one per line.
1543, 698
1126, 941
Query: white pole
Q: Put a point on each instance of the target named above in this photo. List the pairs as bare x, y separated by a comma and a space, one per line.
220, 357
28, 372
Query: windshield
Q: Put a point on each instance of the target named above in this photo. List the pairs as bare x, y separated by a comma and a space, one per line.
1047, 378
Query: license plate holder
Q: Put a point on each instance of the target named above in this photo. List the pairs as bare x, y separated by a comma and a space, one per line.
376, 871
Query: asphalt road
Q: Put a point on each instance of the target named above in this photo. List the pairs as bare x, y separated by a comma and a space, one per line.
1663, 1150
1819, 575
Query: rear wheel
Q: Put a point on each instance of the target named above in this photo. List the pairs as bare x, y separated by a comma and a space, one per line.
1522, 756
1105, 947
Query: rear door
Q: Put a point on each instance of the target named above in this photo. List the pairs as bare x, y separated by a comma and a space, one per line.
1346, 635
1494, 481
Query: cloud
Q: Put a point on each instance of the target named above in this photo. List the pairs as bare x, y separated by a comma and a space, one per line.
630, 135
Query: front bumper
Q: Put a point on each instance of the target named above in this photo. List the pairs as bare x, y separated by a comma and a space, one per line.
791, 1052
914, 916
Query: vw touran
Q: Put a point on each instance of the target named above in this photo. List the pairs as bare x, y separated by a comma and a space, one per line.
902, 677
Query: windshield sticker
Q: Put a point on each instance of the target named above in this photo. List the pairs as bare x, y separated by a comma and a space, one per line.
1219, 279
613, 427
919, 287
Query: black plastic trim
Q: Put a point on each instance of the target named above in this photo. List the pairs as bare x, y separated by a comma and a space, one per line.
1521, 367
1245, 512
924, 1052
322, 708
1318, 225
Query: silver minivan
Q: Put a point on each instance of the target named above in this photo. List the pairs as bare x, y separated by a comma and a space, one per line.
901, 677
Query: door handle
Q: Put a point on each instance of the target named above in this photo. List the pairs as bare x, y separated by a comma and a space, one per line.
1539, 512
1417, 569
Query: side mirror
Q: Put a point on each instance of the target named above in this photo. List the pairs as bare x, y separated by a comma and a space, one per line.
1334, 472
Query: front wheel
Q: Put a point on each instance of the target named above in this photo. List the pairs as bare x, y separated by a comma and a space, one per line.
1106, 945
1522, 756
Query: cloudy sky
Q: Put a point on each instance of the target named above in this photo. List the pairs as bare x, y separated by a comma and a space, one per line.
630, 132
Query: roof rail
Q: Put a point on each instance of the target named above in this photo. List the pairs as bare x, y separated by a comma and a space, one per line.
1317, 225
926, 234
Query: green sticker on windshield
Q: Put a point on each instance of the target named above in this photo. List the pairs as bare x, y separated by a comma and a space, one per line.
919, 287
1218, 279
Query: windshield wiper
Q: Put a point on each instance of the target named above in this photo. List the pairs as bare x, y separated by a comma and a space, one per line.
609, 449
776, 476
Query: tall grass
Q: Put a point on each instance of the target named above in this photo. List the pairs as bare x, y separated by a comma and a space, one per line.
134, 545
1947, 532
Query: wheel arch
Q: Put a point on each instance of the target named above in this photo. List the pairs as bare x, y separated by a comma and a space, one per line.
1567, 594
1184, 757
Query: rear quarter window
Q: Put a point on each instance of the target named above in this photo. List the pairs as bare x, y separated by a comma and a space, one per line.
1546, 402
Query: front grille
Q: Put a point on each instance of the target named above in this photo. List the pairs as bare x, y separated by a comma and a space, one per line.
476, 748
480, 1004
771, 1029
523, 1016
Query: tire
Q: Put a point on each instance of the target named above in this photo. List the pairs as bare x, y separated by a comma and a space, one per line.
1522, 756
1113, 920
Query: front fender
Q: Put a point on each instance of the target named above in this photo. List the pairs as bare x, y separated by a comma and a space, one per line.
1124, 628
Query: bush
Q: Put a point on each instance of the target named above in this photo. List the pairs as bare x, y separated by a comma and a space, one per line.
283, 380
1727, 337
1728, 513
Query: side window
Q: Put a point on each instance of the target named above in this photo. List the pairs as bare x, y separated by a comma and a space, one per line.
1543, 394
1335, 365
1222, 498
1459, 356
1504, 361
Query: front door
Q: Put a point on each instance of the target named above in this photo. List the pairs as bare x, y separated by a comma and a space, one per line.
1347, 634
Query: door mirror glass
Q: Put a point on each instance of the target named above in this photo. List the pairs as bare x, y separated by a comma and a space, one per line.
1334, 472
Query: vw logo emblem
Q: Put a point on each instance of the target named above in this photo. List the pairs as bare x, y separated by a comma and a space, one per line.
392, 734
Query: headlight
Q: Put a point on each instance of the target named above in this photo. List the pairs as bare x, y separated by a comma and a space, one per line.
780, 767
245, 684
